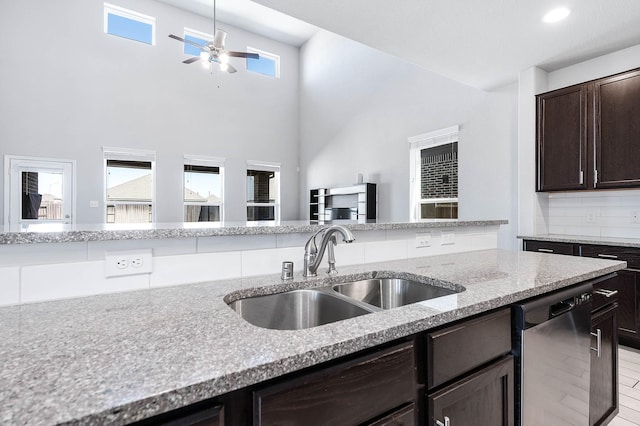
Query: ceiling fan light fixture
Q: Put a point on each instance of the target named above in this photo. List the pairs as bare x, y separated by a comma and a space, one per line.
556, 15
224, 58
224, 67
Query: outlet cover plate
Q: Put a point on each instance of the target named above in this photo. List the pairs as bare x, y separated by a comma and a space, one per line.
128, 262
423, 239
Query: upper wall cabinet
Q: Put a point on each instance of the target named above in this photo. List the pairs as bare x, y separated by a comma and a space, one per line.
617, 130
588, 135
562, 139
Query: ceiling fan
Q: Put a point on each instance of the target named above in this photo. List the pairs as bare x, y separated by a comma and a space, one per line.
213, 51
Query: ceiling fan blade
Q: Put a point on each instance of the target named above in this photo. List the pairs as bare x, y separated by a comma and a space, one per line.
191, 60
231, 69
244, 55
203, 48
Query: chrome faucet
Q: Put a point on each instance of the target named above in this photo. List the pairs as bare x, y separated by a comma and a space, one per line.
313, 256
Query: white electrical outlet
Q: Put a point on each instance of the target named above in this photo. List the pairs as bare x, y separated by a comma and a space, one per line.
423, 239
448, 238
635, 217
590, 217
129, 262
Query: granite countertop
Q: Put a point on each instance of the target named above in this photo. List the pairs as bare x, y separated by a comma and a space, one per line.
117, 358
583, 239
60, 233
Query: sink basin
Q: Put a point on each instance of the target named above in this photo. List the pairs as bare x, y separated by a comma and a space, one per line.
295, 310
387, 293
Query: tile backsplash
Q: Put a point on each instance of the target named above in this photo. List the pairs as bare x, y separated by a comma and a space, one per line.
596, 214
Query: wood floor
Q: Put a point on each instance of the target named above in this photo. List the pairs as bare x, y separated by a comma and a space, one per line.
629, 380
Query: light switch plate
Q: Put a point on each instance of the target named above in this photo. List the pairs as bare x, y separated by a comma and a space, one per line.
448, 238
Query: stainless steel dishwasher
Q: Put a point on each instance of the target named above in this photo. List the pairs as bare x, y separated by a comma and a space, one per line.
552, 345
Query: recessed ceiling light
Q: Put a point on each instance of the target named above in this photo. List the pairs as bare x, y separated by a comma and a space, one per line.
556, 15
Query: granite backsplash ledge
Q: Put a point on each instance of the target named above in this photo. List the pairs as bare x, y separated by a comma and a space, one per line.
59, 233
112, 359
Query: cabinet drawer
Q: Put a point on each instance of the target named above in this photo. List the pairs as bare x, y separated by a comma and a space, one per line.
405, 416
350, 393
462, 347
605, 292
548, 247
630, 255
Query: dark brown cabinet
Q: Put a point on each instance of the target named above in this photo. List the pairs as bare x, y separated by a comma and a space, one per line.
603, 394
588, 135
627, 284
617, 130
467, 364
352, 393
548, 247
455, 350
483, 398
470, 374
562, 139
405, 416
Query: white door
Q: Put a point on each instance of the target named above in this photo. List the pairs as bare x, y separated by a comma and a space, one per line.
39, 190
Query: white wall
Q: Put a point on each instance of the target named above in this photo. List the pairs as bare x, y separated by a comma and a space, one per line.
601, 66
67, 89
488, 163
358, 106
532, 206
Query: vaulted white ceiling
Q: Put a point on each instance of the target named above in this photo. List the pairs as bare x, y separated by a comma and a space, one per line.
482, 43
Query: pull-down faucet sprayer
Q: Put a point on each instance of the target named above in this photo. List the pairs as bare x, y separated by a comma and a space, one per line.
313, 256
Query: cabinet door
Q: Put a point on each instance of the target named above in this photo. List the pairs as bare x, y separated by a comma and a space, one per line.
562, 139
626, 285
483, 398
603, 395
617, 130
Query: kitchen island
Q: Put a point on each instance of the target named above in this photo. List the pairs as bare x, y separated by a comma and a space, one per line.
119, 358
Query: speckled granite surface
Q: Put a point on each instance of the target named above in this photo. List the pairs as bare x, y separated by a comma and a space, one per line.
48, 233
582, 239
117, 358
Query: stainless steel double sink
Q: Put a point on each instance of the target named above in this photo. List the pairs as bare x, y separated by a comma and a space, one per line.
306, 308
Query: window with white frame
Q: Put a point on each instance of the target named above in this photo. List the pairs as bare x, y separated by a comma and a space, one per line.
263, 191
434, 175
129, 185
203, 189
267, 64
129, 24
197, 37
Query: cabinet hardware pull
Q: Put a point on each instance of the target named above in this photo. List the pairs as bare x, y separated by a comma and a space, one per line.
447, 422
581, 177
606, 293
598, 336
607, 256
543, 250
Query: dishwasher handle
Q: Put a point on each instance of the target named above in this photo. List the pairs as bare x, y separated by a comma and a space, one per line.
562, 307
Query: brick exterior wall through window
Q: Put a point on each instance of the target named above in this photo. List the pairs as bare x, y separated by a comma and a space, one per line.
439, 171
261, 181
